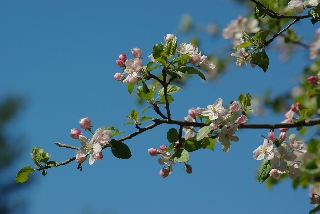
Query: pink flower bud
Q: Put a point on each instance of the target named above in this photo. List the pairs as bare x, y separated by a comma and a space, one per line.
293, 108
163, 147
169, 36
312, 79
153, 152
120, 63
239, 19
74, 133
81, 159
241, 120
235, 106
164, 172
188, 168
122, 57
118, 76
136, 52
272, 136
298, 105
85, 123
98, 156
283, 129
193, 112
282, 136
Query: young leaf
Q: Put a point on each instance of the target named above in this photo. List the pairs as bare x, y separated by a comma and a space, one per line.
203, 132
23, 174
134, 115
315, 15
261, 59
162, 100
130, 87
181, 156
261, 35
192, 145
306, 113
208, 143
145, 88
144, 118
172, 135
157, 50
263, 172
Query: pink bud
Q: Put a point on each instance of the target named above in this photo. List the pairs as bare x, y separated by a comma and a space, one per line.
122, 57
282, 136
136, 52
85, 123
188, 168
163, 147
74, 133
312, 79
98, 156
169, 36
193, 112
81, 159
164, 172
153, 152
241, 120
293, 108
120, 63
235, 106
298, 105
118, 76
239, 19
283, 130
272, 136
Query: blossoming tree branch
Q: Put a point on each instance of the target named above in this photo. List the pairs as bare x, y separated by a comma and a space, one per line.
281, 154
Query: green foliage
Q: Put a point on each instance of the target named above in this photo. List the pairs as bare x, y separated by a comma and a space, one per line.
192, 70
130, 87
170, 48
39, 156
181, 156
115, 131
171, 89
261, 59
314, 146
192, 144
162, 99
259, 12
172, 135
120, 150
306, 113
203, 132
315, 15
264, 169
23, 174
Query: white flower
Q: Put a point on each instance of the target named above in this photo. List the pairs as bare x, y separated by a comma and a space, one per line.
296, 6
243, 56
264, 151
89, 146
281, 155
206, 65
133, 65
187, 48
225, 136
297, 146
102, 136
314, 3
164, 158
215, 111
294, 170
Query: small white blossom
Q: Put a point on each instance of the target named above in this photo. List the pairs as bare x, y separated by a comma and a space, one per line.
264, 151
296, 145
314, 3
215, 111
89, 146
226, 135
281, 155
296, 6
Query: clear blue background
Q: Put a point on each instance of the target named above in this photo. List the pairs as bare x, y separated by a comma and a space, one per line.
60, 56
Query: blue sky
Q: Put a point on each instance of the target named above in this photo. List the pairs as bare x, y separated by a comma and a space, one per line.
60, 56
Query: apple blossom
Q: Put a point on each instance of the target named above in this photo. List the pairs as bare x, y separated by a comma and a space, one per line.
275, 173
235, 106
163, 147
206, 65
131, 78
193, 112
132, 65
264, 151
120, 63
282, 136
226, 135
164, 172
281, 155
74, 133
89, 147
294, 170
313, 3
272, 136
169, 36
296, 6
312, 79
85, 123
241, 120
297, 146
215, 111
185, 48
136, 52
118, 76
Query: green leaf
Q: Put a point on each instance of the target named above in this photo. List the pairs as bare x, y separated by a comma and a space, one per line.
172, 135
242, 99
170, 47
203, 132
315, 15
134, 115
171, 89
313, 146
261, 35
208, 143
130, 87
149, 68
119, 149
315, 210
192, 70
145, 109
128, 123
259, 12
263, 172
181, 58
192, 145
271, 3
144, 118
181, 156
44, 172
313, 91
170, 148
306, 113
261, 59
145, 88
163, 101
157, 50
248, 100
243, 45
39, 156
23, 173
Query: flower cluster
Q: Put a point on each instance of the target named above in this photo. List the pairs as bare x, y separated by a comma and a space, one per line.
93, 146
298, 6
165, 159
235, 29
